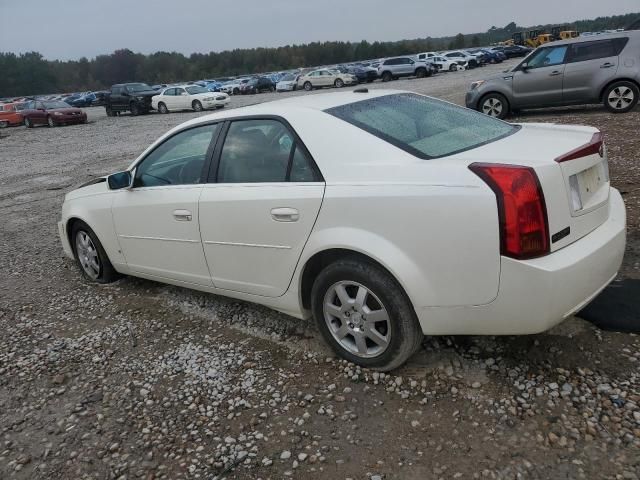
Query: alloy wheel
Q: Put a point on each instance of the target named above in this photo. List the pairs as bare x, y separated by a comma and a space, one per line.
620, 97
492, 107
357, 319
87, 255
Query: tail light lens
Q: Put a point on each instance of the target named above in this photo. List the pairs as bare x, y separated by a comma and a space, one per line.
524, 229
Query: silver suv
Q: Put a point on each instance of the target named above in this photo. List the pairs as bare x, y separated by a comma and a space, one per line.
579, 71
394, 68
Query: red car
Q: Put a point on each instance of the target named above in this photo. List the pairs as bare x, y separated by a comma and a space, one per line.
10, 115
52, 113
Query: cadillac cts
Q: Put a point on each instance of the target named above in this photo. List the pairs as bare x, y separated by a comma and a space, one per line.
384, 215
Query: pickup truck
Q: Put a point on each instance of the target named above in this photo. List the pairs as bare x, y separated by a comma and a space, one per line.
129, 97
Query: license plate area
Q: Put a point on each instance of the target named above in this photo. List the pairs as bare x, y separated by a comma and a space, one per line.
589, 188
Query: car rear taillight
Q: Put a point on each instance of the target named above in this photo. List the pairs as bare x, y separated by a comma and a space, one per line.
524, 229
595, 145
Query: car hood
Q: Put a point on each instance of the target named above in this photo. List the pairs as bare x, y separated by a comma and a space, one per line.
65, 110
95, 186
145, 93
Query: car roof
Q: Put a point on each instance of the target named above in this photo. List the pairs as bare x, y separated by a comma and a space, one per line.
593, 38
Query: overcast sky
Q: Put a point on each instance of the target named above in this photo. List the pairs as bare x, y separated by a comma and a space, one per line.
70, 29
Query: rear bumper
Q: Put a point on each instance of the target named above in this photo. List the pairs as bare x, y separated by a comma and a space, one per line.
535, 295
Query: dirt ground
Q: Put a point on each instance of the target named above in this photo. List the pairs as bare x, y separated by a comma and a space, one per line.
141, 380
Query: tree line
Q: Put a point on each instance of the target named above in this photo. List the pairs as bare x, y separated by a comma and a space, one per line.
31, 74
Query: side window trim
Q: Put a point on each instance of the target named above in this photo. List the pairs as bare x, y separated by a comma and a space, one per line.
212, 174
207, 159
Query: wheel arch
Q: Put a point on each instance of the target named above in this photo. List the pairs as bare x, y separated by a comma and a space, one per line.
319, 260
625, 79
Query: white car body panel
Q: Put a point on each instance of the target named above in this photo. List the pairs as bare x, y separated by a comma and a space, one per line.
184, 101
431, 223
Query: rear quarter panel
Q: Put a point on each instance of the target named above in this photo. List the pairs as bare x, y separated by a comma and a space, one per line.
440, 242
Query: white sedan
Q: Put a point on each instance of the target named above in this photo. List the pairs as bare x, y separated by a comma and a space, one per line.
383, 214
188, 97
446, 64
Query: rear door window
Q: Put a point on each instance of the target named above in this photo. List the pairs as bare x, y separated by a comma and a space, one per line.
584, 51
423, 126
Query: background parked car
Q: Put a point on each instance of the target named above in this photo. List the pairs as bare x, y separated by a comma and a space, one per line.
257, 85
288, 83
233, 86
394, 68
132, 97
52, 113
446, 64
460, 56
188, 97
579, 71
10, 115
325, 77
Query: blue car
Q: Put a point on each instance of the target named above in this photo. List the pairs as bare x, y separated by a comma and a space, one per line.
213, 86
82, 101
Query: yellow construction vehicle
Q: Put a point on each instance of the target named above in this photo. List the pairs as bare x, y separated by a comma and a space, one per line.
563, 33
567, 34
517, 38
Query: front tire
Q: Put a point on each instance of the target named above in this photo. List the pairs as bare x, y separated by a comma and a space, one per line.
387, 77
339, 83
421, 73
621, 97
307, 86
453, 67
197, 106
494, 105
50, 122
28, 123
90, 255
162, 108
364, 315
134, 109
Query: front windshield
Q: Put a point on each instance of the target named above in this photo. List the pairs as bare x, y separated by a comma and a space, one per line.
138, 87
195, 89
52, 105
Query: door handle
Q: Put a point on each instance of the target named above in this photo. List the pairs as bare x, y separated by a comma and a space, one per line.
285, 214
554, 73
607, 65
182, 215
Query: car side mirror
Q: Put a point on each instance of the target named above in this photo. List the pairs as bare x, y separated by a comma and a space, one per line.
120, 180
524, 67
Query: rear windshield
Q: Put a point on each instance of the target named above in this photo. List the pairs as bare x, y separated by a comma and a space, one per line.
423, 126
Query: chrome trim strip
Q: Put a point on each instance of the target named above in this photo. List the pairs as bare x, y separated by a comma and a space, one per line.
136, 237
236, 244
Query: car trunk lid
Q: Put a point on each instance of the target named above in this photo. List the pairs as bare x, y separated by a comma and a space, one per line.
572, 167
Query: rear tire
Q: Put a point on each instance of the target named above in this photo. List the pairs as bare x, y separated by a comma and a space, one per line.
386, 77
28, 123
197, 106
110, 112
50, 121
621, 97
162, 108
386, 342
90, 256
495, 105
307, 86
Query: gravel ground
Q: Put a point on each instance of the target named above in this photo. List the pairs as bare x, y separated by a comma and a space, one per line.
141, 380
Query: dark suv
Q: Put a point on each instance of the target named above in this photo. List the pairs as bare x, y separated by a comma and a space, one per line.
129, 97
583, 70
